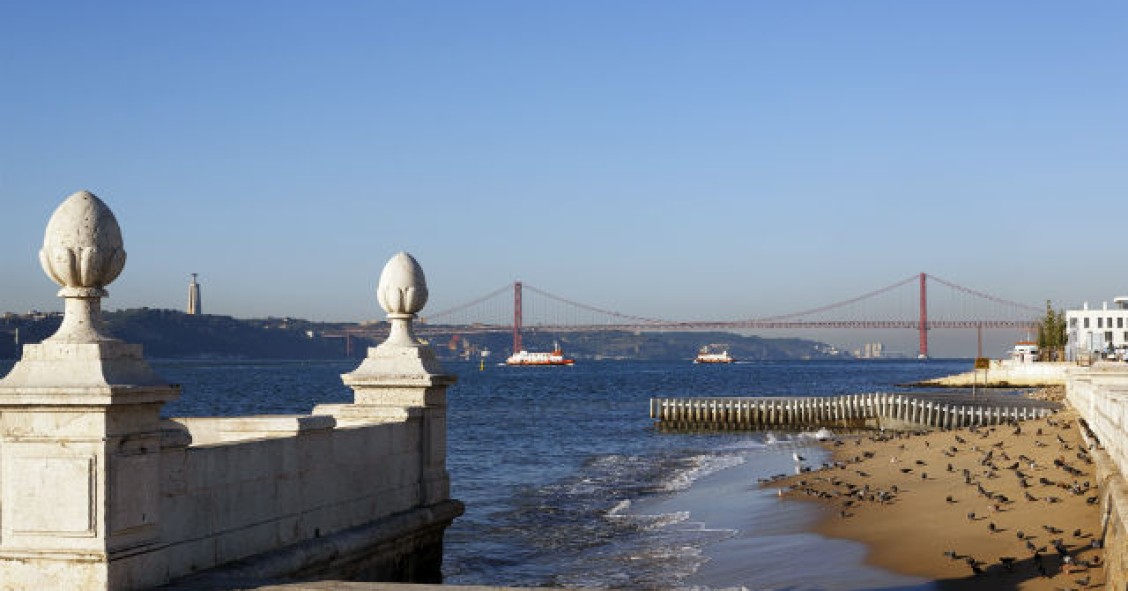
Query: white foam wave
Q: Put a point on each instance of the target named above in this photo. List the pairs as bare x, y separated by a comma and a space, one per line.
703, 465
822, 434
619, 507
651, 522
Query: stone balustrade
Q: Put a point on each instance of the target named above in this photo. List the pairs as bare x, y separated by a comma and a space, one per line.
98, 492
1100, 395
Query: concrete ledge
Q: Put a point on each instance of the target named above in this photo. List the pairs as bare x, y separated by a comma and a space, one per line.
350, 586
1007, 374
212, 430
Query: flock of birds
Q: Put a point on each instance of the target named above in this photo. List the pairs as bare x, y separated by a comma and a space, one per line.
982, 455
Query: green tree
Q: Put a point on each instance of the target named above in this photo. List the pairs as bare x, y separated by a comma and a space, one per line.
1052, 334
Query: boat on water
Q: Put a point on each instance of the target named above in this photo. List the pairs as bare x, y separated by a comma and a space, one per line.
556, 357
713, 354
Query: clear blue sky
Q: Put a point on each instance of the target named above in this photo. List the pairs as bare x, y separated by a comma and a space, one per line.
683, 160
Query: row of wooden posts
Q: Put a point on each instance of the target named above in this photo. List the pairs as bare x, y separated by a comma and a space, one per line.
855, 411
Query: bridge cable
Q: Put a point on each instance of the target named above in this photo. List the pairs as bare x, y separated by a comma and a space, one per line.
459, 308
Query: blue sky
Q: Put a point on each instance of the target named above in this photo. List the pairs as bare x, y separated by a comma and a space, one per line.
683, 160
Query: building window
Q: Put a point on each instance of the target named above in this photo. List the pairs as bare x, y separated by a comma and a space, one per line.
1100, 322
1120, 322
1086, 323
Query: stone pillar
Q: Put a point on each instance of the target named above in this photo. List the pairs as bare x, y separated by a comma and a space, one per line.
401, 380
79, 435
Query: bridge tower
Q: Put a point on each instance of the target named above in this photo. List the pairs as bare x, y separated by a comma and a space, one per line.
923, 327
517, 317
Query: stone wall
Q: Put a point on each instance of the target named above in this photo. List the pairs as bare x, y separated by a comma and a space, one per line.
252, 485
1006, 373
98, 493
1100, 395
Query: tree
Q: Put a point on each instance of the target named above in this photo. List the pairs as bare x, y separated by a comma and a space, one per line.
1052, 334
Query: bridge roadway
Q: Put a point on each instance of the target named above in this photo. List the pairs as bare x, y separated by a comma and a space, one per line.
429, 329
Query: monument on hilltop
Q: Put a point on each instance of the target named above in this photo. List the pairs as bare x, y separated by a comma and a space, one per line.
194, 304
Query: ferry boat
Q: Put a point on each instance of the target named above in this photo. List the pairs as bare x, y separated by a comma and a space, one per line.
556, 357
709, 354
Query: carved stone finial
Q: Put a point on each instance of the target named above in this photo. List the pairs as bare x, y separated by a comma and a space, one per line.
402, 293
402, 288
401, 359
82, 247
82, 252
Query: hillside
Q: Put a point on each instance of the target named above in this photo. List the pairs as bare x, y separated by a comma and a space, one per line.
173, 334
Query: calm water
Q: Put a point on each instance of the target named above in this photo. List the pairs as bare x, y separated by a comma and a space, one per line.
565, 480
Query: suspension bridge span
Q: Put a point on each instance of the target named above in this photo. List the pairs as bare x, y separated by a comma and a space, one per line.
920, 302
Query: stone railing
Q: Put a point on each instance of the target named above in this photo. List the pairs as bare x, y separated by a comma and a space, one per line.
97, 492
1100, 395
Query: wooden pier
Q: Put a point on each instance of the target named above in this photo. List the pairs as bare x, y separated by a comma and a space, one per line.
855, 411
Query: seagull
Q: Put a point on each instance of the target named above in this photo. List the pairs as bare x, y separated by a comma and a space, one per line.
798, 458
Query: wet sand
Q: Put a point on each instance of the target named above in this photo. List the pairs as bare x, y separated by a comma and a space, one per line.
770, 542
1001, 507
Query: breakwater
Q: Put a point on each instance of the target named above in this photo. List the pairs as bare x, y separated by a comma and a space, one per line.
853, 411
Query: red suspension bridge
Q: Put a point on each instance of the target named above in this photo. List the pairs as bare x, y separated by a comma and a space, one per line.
905, 304
920, 302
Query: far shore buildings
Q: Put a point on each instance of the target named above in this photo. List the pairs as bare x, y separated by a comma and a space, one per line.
1098, 332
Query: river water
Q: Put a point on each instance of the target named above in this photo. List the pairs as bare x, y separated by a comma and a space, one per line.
567, 483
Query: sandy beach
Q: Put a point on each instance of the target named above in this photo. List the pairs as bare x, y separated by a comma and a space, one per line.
1004, 507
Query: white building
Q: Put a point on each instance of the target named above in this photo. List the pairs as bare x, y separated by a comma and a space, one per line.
1103, 331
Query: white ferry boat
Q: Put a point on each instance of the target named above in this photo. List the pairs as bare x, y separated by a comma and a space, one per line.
556, 357
710, 354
